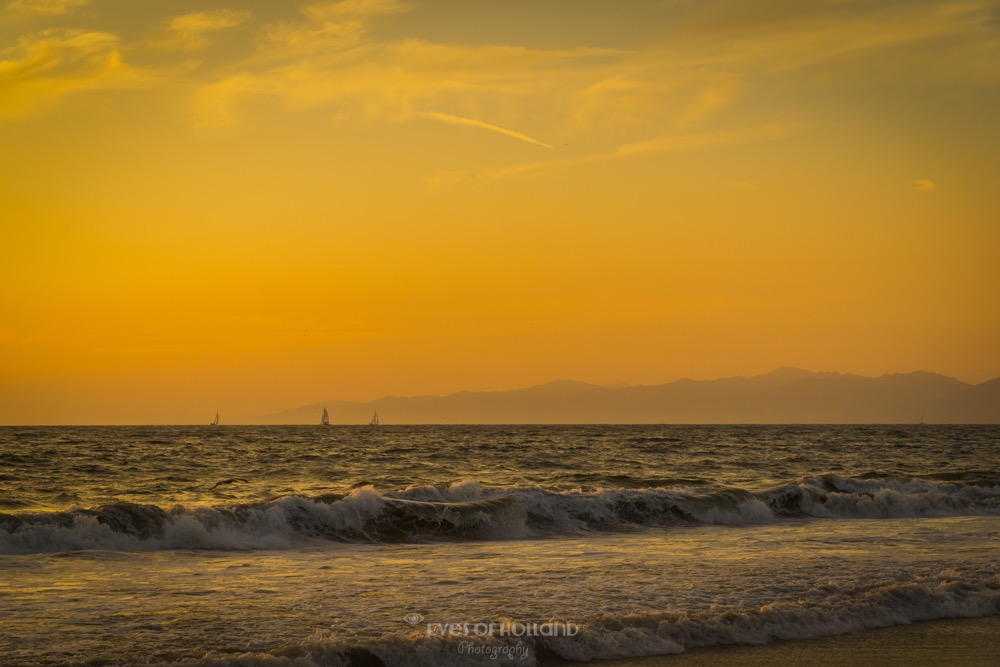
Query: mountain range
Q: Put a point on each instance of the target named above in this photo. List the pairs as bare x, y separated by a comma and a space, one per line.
783, 396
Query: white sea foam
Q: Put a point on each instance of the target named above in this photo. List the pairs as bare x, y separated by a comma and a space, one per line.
884, 606
635, 635
469, 510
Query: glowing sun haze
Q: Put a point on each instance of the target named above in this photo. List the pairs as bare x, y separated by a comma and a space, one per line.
250, 206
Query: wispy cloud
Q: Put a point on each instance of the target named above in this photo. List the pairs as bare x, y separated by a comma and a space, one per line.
711, 60
43, 68
927, 39
50, 7
341, 9
313, 66
471, 122
924, 185
191, 32
327, 26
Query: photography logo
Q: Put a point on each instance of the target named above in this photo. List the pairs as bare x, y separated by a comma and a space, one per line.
494, 629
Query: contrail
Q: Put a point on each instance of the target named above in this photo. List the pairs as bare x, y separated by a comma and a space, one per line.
459, 120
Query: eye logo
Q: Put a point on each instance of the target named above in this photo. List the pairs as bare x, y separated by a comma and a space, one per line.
413, 619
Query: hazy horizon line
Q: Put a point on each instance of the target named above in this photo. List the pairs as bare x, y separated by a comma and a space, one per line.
287, 417
627, 385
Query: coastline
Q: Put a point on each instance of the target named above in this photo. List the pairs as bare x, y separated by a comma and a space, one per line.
971, 642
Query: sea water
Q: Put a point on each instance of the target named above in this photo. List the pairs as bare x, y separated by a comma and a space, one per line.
490, 545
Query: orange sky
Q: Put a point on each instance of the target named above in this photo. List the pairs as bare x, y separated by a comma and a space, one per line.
251, 206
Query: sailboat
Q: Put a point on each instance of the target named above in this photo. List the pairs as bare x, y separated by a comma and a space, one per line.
325, 421
374, 421
215, 422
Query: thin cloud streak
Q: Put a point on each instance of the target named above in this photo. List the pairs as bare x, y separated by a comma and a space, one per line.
471, 122
658, 146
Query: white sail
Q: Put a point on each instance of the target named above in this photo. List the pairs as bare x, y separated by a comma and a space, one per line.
374, 421
215, 422
326, 418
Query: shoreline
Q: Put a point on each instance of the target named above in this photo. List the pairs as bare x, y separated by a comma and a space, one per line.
970, 642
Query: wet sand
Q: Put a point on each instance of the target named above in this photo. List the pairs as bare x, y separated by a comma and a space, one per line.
968, 642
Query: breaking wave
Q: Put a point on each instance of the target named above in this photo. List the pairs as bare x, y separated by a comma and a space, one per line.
470, 511
947, 594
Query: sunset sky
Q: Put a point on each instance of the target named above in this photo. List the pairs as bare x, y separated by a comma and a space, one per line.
250, 206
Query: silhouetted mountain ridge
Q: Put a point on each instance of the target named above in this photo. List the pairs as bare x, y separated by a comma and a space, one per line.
785, 395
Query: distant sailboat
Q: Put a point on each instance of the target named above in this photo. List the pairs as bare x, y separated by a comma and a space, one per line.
374, 421
325, 421
215, 422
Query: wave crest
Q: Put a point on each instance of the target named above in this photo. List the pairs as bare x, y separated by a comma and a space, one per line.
618, 636
471, 511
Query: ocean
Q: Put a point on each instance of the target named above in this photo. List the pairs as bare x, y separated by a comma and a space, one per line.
483, 545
